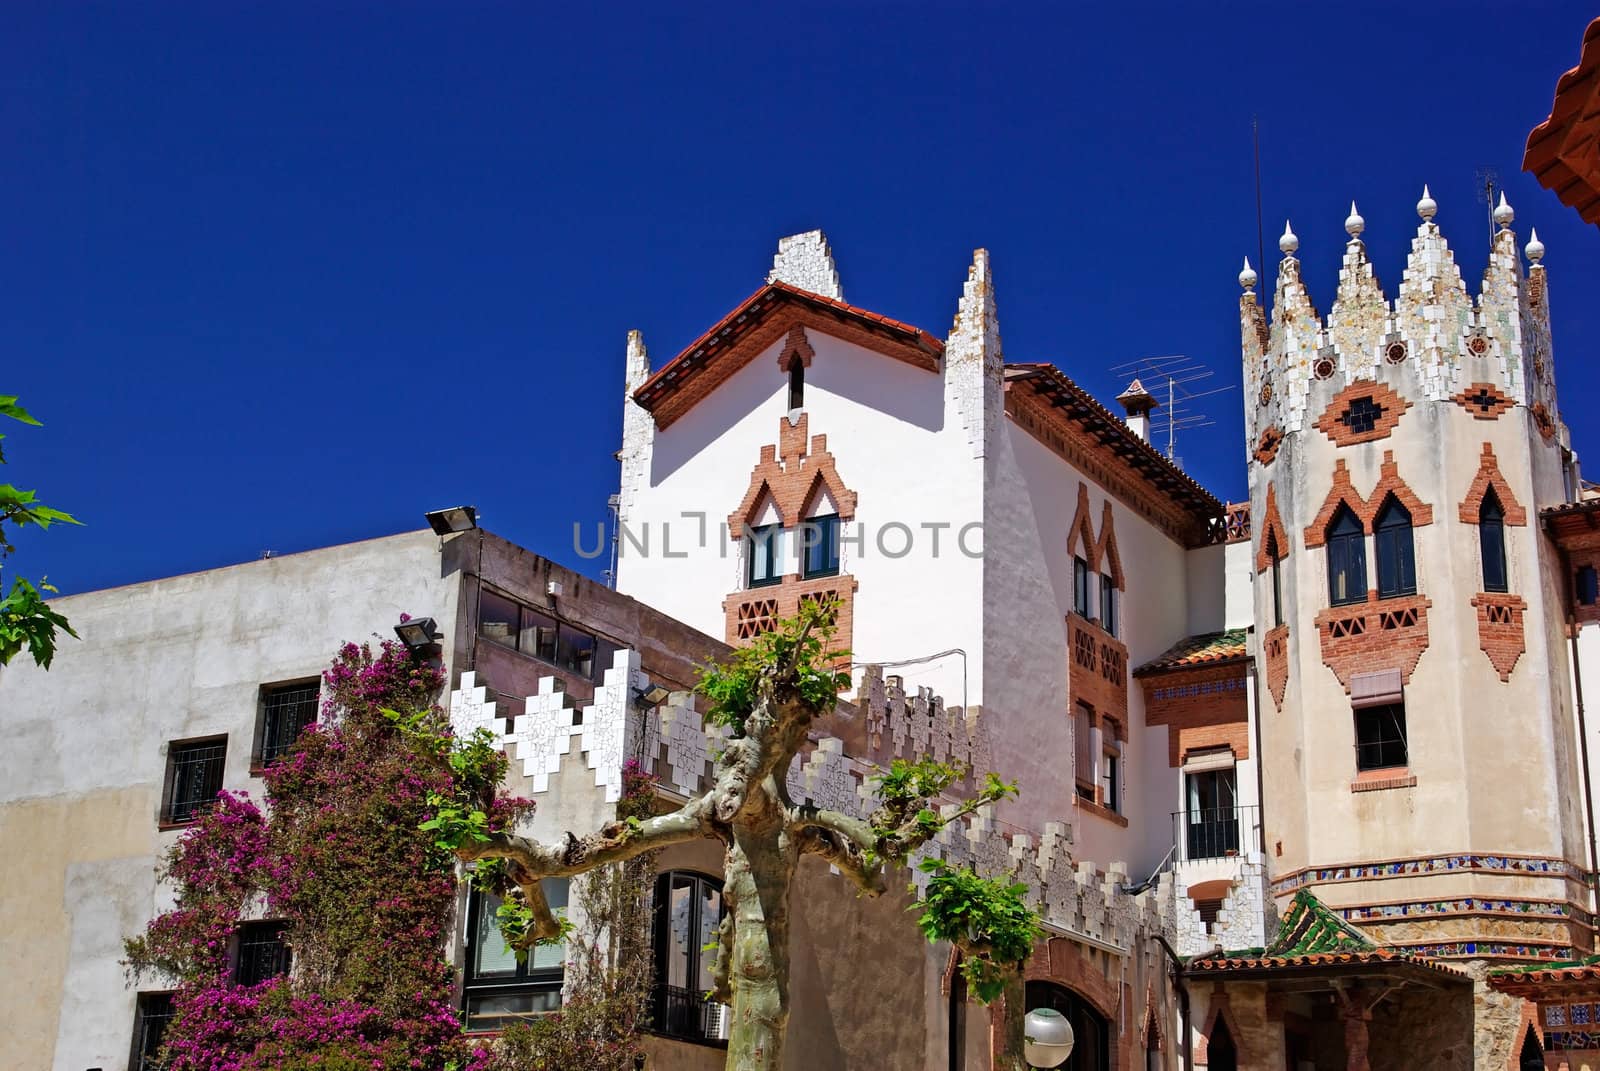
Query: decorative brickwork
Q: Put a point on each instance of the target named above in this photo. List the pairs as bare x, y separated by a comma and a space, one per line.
1376, 634
1097, 668
749, 613
1489, 476
1363, 412
1500, 630
792, 481
796, 345
1271, 525
1275, 646
1202, 708
1543, 421
1267, 445
1389, 779
1093, 976
1484, 401
1366, 509
1100, 553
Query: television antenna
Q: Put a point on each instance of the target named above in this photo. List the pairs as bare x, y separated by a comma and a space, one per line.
1178, 383
1487, 181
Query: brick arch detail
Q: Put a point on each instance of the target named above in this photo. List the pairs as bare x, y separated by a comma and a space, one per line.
1219, 1008
1272, 525
1527, 1019
1064, 963
790, 473
1152, 1022
1393, 405
1366, 509
1488, 476
796, 345
1099, 551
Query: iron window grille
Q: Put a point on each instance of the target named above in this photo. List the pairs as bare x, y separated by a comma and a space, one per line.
688, 908
1381, 737
499, 989
194, 777
1347, 559
1397, 561
152, 1012
763, 567
261, 953
286, 710
1492, 542
820, 536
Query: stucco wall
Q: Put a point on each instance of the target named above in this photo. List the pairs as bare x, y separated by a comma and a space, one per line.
80, 786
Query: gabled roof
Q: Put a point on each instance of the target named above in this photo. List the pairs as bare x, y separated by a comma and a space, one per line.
1311, 937
758, 322
1209, 649
1110, 432
1561, 150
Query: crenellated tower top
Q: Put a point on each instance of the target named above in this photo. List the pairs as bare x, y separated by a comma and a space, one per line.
1453, 341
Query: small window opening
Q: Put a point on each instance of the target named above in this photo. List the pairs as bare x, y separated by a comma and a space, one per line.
1381, 737
797, 383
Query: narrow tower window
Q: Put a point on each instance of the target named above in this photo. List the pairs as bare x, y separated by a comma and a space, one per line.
1347, 559
797, 383
1397, 562
1277, 588
1492, 539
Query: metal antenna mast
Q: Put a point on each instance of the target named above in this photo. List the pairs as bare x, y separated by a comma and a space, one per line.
1488, 180
1186, 381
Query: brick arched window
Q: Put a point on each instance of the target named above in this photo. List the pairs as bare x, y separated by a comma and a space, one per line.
1492, 541
797, 383
1274, 556
1397, 558
1347, 558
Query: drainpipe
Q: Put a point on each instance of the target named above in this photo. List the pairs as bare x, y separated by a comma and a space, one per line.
1261, 790
1569, 600
1183, 1000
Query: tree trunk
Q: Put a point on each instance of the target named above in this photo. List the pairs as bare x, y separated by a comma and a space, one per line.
759, 870
1006, 1017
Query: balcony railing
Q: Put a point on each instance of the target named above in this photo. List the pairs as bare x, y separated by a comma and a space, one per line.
1215, 832
687, 1014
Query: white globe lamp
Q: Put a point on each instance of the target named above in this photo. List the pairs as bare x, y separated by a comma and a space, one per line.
1047, 1038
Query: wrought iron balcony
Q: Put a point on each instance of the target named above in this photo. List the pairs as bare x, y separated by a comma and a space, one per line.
1215, 832
689, 1015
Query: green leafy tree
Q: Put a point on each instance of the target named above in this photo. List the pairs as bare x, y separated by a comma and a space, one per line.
769, 694
26, 619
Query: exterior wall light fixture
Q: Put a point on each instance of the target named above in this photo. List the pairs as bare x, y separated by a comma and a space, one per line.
454, 519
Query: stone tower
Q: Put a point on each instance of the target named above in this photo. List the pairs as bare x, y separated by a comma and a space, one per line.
1419, 751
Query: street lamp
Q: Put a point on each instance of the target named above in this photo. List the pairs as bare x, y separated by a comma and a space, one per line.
1047, 1038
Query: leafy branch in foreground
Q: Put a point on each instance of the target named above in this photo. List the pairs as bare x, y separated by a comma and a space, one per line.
26, 620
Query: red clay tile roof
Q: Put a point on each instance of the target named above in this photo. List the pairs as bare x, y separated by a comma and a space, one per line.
1210, 649
1379, 957
1563, 152
739, 336
1551, 982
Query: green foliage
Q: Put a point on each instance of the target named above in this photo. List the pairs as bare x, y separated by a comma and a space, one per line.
26, 621
984, 917
814, 673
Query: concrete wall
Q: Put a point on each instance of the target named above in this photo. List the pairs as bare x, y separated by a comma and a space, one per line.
81, 783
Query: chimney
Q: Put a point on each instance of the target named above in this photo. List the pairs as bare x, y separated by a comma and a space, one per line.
1138, 403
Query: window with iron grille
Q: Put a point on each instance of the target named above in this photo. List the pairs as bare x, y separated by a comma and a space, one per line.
285, 710
194, 777
152, 1013
688, 909
498, 989
1381, 736
261, 953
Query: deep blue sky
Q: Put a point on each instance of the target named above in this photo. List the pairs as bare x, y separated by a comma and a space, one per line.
282, 275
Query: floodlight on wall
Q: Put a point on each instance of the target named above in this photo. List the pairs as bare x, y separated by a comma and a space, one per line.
454, 519
652, 695
1047, 1037
417, 633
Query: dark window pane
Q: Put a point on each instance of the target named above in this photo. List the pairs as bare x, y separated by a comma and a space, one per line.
1588, 585
262, 953
797, 383
498, 618
763, 549
820, 540
195, 774
688, 910
1108, 604
286, 710
604, 654
576, 651
1380, 737
1347, 559
1397, 566
1080, 586
537, 635
152, 1013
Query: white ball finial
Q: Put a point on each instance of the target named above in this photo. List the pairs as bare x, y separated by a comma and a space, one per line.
1288, 243
1353, 223
1427, 207
1247, 278
1534, 248
1503, 214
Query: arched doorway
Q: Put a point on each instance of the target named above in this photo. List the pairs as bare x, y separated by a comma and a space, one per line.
1221, 1054
1532, 1058
1092, 1049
